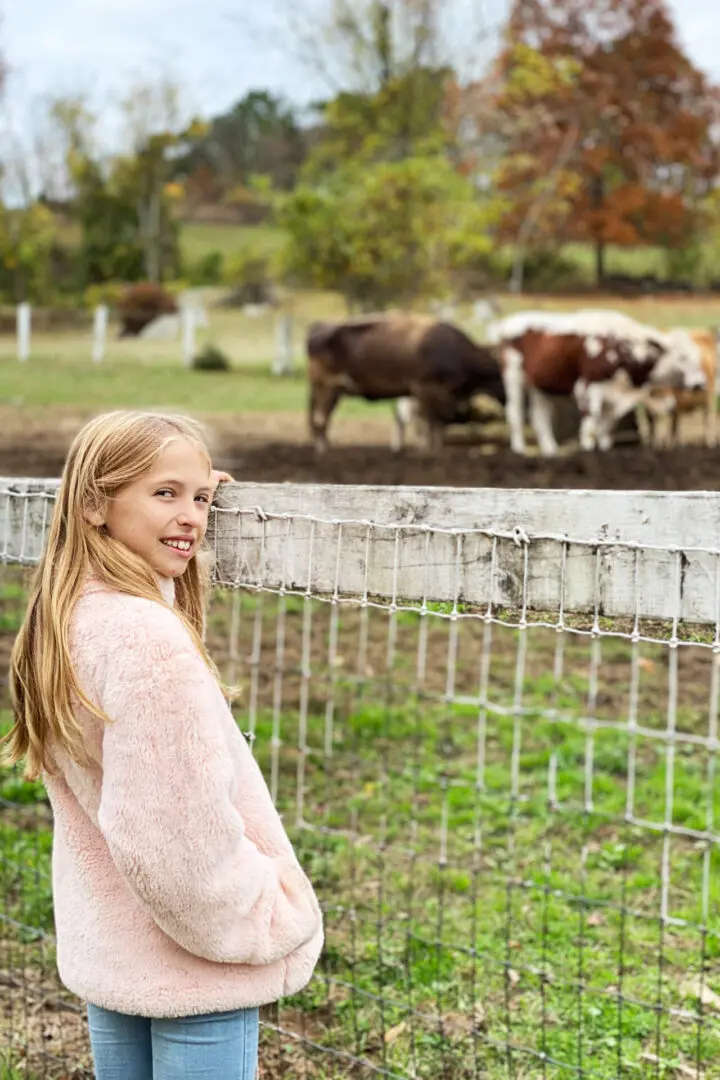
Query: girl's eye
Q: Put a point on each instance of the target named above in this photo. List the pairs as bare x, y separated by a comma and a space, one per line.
165, 491
203, 498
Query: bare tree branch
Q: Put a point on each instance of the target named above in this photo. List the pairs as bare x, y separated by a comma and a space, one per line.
340, 42
565, 152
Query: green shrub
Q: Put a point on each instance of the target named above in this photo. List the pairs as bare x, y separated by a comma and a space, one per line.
251, 274
211, 359
551, 271
207, 270
110, 293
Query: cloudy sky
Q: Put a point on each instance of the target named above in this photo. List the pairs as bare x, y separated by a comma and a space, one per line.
96, 46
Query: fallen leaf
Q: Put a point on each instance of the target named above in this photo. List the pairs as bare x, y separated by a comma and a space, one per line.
697, 988
466, 1021
394, 1033
679, 1068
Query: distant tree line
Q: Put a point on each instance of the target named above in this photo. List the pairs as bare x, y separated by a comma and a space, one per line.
412, 178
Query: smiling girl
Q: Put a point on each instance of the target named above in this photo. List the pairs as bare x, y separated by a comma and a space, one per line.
179, 904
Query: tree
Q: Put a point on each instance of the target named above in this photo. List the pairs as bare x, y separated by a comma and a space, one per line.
28, 231
383, 233
111, 248
63, 137
404, 118
260, 135
107, 196
385, 63
157, 136
643, 155
27, 238
358, 46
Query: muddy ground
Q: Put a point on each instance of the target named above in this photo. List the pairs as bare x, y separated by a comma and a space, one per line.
274, 447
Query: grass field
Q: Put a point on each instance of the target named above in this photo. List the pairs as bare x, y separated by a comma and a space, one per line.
197, 239
471, 932
150, 373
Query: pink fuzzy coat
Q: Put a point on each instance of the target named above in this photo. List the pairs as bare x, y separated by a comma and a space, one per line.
176, 888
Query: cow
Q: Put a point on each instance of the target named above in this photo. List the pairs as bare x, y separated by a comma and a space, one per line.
610, 363
679, 402
398, 355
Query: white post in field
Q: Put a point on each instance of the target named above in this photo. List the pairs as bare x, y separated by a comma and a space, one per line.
100, 325
284, 360
188, 335
24, 318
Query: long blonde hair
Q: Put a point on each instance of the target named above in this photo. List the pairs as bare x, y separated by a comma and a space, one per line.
111, 451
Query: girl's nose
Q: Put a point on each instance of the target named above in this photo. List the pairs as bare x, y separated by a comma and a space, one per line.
192, 514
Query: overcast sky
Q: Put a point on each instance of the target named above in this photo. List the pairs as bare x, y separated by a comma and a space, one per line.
98, 45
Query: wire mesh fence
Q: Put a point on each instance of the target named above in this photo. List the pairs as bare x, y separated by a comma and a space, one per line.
494, 745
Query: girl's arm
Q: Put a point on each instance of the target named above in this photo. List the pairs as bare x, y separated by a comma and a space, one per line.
167, 814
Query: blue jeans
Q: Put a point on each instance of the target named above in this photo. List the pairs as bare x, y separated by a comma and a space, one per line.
219, 1046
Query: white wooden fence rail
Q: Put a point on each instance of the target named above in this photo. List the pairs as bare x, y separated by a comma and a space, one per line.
633, 554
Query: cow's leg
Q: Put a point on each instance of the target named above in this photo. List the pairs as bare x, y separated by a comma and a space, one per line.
404, 413
711, 417
646, 425
607, 402
541, 412
435, 408
594, 426
662, 419
323, 399
587, 435
514, 381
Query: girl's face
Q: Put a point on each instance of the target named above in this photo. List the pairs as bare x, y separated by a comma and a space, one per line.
163, 516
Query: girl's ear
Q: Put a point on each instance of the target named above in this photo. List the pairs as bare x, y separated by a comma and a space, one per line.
94, 516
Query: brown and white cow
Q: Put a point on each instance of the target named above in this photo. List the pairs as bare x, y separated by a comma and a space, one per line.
398, 355
607, 361
680, 402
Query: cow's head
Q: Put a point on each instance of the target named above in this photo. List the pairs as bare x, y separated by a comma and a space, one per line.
679, 364
609, 354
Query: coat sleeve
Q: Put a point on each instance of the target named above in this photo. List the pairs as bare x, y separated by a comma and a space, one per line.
167, 814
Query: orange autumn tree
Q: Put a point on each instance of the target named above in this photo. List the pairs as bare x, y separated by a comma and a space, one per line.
608, 127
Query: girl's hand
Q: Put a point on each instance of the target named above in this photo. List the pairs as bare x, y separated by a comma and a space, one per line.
218, 477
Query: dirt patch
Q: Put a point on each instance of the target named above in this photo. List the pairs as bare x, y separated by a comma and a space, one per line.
688, 468
36, 443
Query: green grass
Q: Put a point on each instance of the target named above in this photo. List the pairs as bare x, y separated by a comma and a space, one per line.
123, 385
461, 918
77, 386
197, 239
147, 373
9, 1072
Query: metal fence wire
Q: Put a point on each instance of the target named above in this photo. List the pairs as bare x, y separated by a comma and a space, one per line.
493, 744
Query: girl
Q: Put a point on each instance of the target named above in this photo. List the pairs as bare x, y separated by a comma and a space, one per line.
179, 904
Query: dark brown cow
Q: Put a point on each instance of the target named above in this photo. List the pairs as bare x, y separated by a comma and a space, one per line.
381, 357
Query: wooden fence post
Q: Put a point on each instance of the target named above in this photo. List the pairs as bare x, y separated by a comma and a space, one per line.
100, 324
24, 320
188, 335
284, 361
